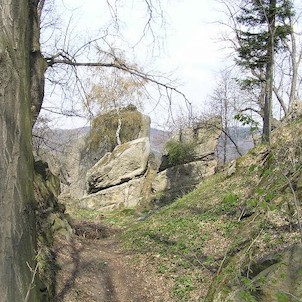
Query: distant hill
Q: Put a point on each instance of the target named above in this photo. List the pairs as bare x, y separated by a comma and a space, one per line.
58, 139
158, 139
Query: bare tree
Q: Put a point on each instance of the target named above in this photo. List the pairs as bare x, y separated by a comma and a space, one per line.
23, 65
114, 90
239, 113
67, 59
224, 101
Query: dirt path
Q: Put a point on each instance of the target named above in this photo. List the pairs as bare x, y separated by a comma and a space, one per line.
98, 270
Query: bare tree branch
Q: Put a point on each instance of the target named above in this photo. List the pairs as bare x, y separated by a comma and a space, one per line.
121, 66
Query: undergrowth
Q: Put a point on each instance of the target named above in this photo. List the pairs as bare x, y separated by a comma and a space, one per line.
189, 237
221, 229
250, 214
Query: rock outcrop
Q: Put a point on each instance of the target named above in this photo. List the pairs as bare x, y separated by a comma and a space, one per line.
126, 195
126, 162
131, 175
75, 151
69, 158
50, 219
274, 278
77, 160
295, 111
118, 178
176, 180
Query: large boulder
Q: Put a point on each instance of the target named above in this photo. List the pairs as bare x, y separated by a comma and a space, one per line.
89, 162
176, 181
71, 153
207, 134
200, 140
122, 178
126, 195
195, 147
274, 278
131, 175
126, 162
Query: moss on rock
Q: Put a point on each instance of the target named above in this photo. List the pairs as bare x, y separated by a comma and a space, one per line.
50, 219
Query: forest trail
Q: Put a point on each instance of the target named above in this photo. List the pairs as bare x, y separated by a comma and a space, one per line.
94, 268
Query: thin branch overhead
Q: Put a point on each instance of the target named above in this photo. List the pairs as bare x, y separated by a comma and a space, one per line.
63, 58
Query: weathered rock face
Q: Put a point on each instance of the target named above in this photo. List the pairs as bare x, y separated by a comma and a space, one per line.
133, 176
207, 135
77, 160
50, 219
128, 194
202, 138
178, 180
145, 126
122, 178
69, 158
117, 180
126, 162
295, 111
73, 155
275, 278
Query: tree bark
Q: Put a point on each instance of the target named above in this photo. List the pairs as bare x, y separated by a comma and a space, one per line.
119, 124
267, 119
225, 122
295, 63
17, 214
38, 63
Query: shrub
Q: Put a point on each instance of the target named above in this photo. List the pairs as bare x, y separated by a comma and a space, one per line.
179, 152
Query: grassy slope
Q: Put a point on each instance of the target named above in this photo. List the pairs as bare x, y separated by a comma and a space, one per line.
227, 224
187, 241
210, 239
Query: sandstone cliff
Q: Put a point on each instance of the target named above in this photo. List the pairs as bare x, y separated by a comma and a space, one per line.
132, 176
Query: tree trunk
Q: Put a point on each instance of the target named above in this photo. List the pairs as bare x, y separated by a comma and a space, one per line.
225, 106
119, 125
118, 131
38, 64
267, 119
17, 214
295, 62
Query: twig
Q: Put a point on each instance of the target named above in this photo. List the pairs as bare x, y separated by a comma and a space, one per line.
222, 262
293, 296
31, 285
295, 202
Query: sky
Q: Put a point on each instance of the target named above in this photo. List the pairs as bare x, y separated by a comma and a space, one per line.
189, 47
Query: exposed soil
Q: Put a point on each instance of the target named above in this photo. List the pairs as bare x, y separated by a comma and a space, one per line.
93, 267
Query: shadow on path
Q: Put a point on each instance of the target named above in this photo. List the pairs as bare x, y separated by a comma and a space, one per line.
84, 274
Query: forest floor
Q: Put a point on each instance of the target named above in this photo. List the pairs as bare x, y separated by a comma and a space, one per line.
94, 267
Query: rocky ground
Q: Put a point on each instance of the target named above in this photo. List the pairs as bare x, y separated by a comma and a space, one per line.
93, 267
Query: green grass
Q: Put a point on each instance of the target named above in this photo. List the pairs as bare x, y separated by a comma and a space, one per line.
223, 226
205, 230
83, 214
118, 218
178, 235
